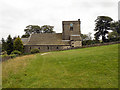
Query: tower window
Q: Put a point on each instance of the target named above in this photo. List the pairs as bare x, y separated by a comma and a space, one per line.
71, 28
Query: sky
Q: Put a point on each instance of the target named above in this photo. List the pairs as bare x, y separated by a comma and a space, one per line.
119, 10
15, 15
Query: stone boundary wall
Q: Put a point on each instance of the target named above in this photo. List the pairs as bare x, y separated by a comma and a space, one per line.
94, 45
86, 46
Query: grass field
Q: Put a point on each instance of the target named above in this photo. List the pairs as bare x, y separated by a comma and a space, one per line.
94, 67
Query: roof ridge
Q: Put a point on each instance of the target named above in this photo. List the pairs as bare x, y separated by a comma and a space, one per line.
46, 33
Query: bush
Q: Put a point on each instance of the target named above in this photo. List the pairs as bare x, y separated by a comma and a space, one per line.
5, 55
35, 51
16, 52
26, 53
90, 42
12, 55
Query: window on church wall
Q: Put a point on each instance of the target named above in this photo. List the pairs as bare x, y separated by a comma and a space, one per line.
30, 48
71, 26
57, 48
48, 48
39, 48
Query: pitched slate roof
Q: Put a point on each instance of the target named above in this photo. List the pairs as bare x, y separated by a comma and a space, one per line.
47, 39
24, 40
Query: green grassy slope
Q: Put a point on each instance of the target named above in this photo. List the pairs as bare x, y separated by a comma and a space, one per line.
94, 67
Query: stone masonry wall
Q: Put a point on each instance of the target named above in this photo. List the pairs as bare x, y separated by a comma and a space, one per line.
76, 43
44, 48
66, 29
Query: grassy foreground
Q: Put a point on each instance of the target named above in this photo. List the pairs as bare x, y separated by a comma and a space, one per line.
94, 67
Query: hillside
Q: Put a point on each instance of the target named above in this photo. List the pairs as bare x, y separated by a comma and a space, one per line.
94, 67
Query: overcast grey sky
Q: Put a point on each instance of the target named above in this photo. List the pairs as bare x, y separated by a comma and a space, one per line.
15, 15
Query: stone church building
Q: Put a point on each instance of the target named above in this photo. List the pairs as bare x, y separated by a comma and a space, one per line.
70, 37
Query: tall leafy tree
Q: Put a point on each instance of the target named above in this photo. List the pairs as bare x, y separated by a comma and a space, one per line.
32, 29
86, 36
25, 36
47, 29
103, 24
113, 36
18, 45
115, 26
9, 45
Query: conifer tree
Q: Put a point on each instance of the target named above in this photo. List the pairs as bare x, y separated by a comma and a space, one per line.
9, 45
4, 45
103, 24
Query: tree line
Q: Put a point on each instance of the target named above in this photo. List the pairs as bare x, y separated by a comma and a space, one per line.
14, 46
32, 29
106, 28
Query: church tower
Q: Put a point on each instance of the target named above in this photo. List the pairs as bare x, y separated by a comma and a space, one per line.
71, 31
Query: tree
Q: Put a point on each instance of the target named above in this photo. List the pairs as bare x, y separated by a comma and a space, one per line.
115, 26
18, 45
86, 36
32, 29
25, 36
4, 45
87, 39
103, 24
47, 29
14, 38
113, 36
9, 45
